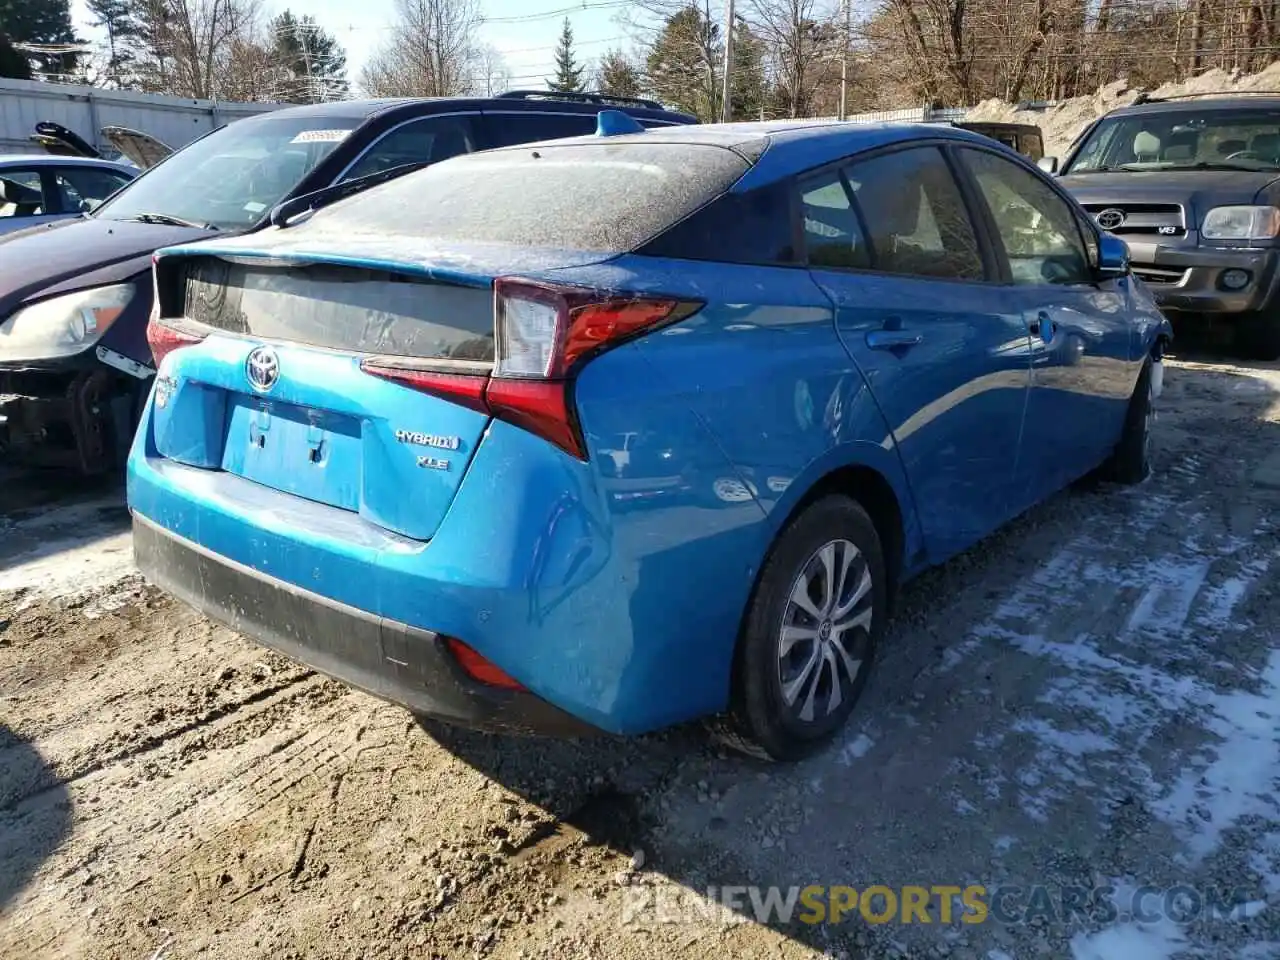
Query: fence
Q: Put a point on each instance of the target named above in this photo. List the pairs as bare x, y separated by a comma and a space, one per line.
85, 110
902, 115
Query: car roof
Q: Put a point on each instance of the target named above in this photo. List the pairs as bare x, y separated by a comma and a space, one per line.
49, 160
1198, 105
782, 148
367, 109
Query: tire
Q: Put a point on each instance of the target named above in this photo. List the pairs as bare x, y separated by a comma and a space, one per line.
1258, 336
1131, 460
785, 706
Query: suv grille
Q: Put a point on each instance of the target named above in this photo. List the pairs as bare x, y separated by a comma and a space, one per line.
1140, 219
1158, 275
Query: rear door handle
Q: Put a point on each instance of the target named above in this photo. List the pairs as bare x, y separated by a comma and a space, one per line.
893, 339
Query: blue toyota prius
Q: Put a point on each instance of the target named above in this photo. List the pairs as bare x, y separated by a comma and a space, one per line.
610, 433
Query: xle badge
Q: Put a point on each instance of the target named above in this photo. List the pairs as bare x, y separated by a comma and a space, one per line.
433, 463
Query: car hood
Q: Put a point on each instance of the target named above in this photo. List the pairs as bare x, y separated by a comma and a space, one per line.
75, 254
143, 150
1195, 190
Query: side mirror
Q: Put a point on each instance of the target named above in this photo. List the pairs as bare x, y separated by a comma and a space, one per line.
1048, 164
88, 206
1113, 257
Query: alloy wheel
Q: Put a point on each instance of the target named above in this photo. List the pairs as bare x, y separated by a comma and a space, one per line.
825, 635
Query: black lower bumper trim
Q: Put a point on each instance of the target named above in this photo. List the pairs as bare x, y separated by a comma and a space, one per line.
391, 660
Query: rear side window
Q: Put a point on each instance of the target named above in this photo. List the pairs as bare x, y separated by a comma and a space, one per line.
428, 140
832, 233
510, 129
915, 215
87, 186
597, 196
21, 194
753, 227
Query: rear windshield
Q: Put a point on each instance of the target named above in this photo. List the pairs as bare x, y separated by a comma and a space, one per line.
341, 308
581, 196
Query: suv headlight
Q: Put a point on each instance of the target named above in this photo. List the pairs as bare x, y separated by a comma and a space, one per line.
63, 326
1241, 223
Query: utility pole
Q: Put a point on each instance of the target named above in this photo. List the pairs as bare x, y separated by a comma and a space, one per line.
726, 105
844, 67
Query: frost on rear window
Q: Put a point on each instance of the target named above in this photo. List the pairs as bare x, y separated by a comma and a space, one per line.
595, 197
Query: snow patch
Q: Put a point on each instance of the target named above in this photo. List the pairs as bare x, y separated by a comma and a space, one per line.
855, 750
1237, 781
1130, 941
66, 553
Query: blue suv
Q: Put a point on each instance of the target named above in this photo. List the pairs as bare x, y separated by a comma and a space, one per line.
623, 430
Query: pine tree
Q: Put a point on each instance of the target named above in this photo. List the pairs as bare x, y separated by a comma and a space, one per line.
41, 21
316, 64
115, 18
12, 63
569, 72
685, 64
748, 88
618, 76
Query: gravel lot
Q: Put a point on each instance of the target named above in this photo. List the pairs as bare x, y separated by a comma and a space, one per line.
1087, 701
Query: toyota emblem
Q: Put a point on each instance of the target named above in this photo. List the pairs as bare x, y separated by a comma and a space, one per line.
263, 369
1110, 218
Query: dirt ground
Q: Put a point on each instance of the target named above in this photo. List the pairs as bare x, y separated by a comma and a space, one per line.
1087, 701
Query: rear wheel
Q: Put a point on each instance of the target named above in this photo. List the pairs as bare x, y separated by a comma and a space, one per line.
810, 633
1258, 335
1131, 460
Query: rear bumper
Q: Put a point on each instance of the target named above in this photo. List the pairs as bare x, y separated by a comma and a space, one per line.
1190, 280
391, 660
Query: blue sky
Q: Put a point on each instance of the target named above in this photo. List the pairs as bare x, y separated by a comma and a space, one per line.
517, 28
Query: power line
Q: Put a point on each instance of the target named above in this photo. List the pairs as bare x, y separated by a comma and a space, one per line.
549, 14
576, 43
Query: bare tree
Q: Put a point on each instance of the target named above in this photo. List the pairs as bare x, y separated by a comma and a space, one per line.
492, 75
802, 39
432, 51
188, 47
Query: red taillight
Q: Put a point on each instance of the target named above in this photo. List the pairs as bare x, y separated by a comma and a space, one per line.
164, 339
544, 334
464, 389
480, 669
544, 330
598, 324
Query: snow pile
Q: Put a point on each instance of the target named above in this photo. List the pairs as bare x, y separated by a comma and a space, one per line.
1064, 121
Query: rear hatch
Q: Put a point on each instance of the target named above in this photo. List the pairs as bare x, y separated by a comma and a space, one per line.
285, 403
349, 359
